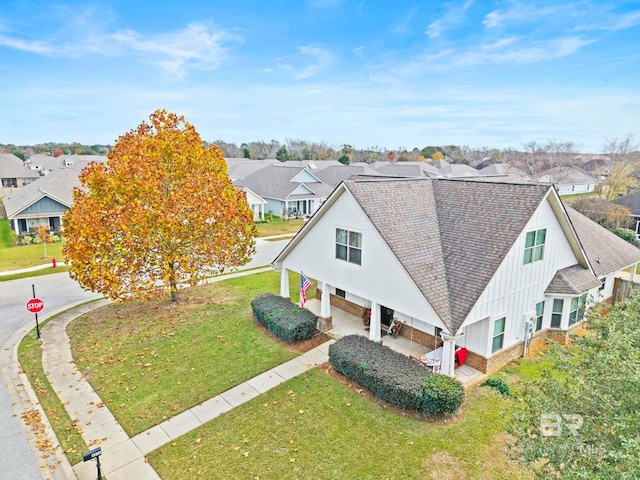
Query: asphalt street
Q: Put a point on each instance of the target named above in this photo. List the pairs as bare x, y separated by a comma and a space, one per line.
57, 291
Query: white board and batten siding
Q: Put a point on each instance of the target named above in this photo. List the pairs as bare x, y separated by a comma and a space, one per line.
380, 277
515, 288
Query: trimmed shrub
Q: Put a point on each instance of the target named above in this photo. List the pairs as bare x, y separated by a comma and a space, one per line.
283, 318
26, 240
442, 395
53, 238
395, 378
37, 240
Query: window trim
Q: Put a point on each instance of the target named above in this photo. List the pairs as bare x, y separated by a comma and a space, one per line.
577, 310
539, 317
349, 247
531, 251
554, 313
500, 335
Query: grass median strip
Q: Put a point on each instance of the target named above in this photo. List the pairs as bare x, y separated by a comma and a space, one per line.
150, 361
30, 357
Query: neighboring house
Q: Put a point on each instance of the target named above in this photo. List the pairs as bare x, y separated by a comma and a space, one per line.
470, 262
46, 164
288, 190
568, 180
14, 173
256, 203
632, 203
42, 202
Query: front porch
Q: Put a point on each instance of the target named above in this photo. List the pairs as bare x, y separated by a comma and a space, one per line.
345, 323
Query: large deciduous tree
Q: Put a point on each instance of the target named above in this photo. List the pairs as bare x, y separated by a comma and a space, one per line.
160, 214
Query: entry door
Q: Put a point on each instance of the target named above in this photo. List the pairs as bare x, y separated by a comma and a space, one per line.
386, 315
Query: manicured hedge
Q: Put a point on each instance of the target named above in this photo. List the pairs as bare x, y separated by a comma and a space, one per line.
394, 377
284, 319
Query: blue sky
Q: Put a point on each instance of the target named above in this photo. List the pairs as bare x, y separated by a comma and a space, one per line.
368, 73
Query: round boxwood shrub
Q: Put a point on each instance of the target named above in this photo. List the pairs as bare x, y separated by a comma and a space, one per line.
441, 395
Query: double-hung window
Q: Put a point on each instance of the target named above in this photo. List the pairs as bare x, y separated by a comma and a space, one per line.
498, 334
534, 246
349, 246
556, 313
577, 309
539, 315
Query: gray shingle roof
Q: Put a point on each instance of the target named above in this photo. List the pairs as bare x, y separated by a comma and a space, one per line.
12, 167
630, 202
572, 280
450, 235
58, 185
274, 181
606, 252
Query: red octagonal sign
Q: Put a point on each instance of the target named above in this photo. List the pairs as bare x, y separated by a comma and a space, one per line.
35, 305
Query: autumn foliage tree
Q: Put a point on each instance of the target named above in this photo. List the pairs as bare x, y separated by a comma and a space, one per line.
160, 214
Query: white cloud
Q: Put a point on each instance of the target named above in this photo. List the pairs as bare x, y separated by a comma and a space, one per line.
454, 14
321, 60
198, 46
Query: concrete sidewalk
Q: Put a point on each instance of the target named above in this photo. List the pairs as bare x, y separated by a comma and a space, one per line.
123, 458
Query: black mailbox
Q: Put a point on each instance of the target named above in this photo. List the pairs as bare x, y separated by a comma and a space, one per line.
91, 454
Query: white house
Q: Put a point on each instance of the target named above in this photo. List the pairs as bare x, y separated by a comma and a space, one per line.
470, 262
569, 180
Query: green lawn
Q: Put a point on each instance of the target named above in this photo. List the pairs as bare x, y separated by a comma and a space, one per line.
151, 361
315, 427
278, 226
24, 256
6, 240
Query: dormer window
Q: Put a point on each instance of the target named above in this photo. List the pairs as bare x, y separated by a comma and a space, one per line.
534, 246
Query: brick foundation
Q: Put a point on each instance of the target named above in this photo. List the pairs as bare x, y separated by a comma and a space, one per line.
418, 336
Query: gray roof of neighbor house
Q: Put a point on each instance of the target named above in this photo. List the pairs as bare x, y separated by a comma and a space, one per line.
630, 202
450, 243
566, 176
12, 167
605, 251
334, 174
58, 185
275, 181
572, 280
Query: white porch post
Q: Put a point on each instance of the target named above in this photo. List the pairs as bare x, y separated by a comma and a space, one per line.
284, 283
262, 211
325, 322
448, 354
374, 324
633, 272
325, 305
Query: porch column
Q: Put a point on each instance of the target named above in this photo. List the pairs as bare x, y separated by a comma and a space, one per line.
633, 272
284, 283
325, 304
262, 211
325, 322
374, 324
448, 354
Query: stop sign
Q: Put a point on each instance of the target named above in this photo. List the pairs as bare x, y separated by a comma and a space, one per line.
35, 305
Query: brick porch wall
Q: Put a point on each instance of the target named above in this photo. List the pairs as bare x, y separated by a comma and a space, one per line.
342, 304
474, 360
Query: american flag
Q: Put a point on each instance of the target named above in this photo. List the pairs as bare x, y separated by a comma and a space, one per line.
304, 286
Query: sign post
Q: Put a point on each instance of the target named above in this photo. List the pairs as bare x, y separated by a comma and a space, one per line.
35, 305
